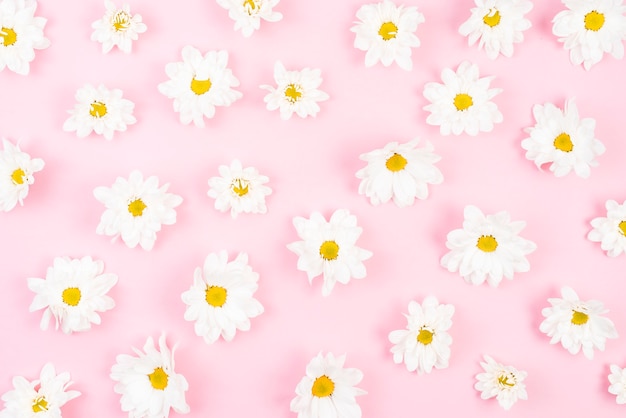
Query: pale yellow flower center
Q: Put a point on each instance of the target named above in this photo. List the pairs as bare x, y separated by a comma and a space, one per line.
492, 19
487, 243
98, 109
240, 187
40, 404
136, 207
396, 162
8, 35
121, 21
18, 176
293, 93
323, 386
200, 86
249, 6
215, 296
71, 296
594, 21
329, 250
158, 378
425, 336
563, 142
622, 227
463, 101
388, 30
579, 318
506, 380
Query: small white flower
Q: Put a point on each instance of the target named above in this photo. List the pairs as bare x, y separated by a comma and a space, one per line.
118, 27
73, 292
590, 28
20, 34
610, 231
387, 33
239, 189
200, 83
497, 25
247, 14
16, 175
617, 378
560, 137
296, 91
425, 343
329, 248
487, 248
41, 398
328, 389
576, 323
136, 209
399, 171
100, 110
462, 102
148, 383
506, 383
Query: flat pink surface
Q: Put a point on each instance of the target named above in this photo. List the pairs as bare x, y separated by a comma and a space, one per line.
311, 164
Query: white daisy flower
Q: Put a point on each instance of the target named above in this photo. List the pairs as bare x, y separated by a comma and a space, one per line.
425, 343
401, 172
136, 209
148, 383
21, 33
487, 248
200, 83
576, 323
590, 28
328, 389
16, 175
387, 33
329, 248
239, 189
617, 378
100, 110
296, 92
40, 398
506, 383
497, 25
221, 299
561, 138
463, 102
118, 27
610, 231
248, 14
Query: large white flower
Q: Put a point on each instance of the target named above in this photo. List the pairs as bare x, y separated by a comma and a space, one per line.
248, 14
16, 175
617, 379
561, 138
296, 92
610, 231
221, 299
73, 292
200, 83
497, 25
463, 102
136, 209
399, 171
506, 383
21, 33
40, 398
425, 343
148, 383
118, 27
329, 248
590, 28
100, 110
387, 33
487, 248
328, 389
577, 324
239, 189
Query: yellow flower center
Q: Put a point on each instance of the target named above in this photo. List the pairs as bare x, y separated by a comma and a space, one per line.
98, 109
487, 243
18, 176
425, 336
503, 380
293, 93
594, 21
158, 378
71, 296
492, 19
200, 86
121, 21
249, 6
215, 296
622, 227
388, 30
463, 101
396, 162
329, 250
579, 318
136, 207
9, 37
240, 187
40, 404
323, 387
563, 142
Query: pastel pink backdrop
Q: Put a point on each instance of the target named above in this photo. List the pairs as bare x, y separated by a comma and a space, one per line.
311, 164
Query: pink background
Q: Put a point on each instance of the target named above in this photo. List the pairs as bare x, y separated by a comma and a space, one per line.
311, 164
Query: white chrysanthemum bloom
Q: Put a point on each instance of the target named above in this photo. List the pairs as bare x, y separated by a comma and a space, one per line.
561, 138
136, 209
16, 175
329, 248
506, 383
487, 248
118, 27
248, 14
617, 379
328, 389
41, 398
100, 110
148, 383
73, 292
590, 28
296, 92
610, 231
576, 323
221, 299
387, 33
21, 33
463, 102
401, 172
239, 189
200, 83
425, 343
497, 25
